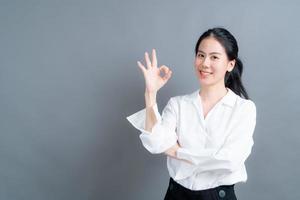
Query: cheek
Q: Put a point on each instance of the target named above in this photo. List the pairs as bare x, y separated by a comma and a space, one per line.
197, 62
220, 70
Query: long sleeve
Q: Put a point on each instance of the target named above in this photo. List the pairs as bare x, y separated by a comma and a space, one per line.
236, 148
163, 134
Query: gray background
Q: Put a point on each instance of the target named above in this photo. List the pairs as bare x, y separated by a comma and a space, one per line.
69, 78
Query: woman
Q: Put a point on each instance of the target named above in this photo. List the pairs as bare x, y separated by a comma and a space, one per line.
207, 135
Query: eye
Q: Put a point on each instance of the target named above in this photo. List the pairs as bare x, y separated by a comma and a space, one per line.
215, 57
200, 55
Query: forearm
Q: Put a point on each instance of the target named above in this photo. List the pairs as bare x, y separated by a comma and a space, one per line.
150, 101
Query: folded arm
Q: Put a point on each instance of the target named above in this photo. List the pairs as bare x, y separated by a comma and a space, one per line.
159, 134
234, 151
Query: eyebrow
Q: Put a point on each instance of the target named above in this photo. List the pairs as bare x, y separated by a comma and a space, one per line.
209, 53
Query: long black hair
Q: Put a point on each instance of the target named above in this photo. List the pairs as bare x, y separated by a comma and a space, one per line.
233, 79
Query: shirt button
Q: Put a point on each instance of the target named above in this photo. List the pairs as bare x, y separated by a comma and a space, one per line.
222, 193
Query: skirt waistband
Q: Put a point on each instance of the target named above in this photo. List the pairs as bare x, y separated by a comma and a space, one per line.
175, 185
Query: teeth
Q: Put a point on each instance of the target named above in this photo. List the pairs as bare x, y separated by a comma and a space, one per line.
205, 72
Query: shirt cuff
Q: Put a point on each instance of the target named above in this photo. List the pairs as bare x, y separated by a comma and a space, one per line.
195, 158
182, 153
138, 119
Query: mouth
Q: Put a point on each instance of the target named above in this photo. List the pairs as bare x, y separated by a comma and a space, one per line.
204, 72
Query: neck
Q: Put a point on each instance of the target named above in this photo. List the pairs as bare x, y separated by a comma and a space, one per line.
212, 93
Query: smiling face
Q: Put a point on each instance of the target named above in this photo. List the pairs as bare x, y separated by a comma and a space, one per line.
211, 62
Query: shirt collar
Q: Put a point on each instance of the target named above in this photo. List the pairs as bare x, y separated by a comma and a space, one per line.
229, 99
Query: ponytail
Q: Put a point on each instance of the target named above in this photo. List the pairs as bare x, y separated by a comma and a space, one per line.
233, 79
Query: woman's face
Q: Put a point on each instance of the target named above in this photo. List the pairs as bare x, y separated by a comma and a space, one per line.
211, 62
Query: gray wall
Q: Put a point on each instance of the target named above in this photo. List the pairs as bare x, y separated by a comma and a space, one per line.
69, 77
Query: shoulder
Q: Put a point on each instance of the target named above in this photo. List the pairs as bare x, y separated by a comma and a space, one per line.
245, 105
182, 100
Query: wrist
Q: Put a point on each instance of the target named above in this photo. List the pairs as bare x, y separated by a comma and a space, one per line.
150, 99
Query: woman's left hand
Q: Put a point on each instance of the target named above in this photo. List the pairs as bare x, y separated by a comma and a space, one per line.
172, 153
172, 150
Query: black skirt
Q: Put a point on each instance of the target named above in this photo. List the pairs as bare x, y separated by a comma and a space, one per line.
178, 192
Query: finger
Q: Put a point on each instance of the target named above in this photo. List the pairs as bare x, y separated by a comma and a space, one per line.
168, 75
154, 59
148, 62
165, 70
142, 67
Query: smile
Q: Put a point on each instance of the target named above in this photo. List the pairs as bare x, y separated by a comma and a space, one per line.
204, 72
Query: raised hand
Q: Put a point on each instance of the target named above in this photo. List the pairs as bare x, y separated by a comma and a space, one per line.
152, 74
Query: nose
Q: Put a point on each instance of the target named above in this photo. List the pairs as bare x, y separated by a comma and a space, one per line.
206, 62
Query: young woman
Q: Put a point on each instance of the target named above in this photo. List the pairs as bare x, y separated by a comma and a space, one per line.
207, 135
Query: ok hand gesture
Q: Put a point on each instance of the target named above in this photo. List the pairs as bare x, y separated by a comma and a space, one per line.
152, 74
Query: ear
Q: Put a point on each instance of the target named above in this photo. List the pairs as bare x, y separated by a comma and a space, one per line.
231, 65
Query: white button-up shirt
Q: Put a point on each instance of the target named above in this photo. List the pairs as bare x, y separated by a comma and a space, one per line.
217, 146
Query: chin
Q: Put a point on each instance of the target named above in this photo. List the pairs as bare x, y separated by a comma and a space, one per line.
204, 80
206, 84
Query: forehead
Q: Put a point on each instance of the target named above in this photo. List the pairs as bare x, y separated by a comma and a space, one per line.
210, 44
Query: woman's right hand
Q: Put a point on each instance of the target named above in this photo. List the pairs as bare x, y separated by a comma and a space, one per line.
152, 74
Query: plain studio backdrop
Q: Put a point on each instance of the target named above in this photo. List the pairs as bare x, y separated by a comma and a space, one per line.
69, 78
